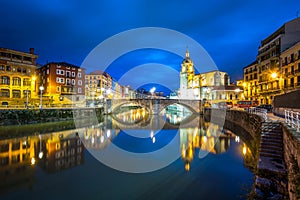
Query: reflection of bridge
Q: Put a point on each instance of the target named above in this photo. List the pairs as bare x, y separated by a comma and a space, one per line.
158, 122
154, 106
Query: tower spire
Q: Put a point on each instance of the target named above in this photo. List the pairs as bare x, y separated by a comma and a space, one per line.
187, 53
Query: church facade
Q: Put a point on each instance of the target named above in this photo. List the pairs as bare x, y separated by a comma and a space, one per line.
213, 86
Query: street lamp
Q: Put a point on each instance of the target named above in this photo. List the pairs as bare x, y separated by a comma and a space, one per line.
41, 100
274, 75
152, 90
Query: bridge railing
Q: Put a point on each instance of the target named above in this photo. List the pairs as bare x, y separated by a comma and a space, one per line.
259, 111
292, 119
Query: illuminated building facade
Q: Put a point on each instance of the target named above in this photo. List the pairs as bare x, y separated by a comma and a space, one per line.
213, 86
98, 85
290, 61
61, 81
250, 83
17, 77
270, 63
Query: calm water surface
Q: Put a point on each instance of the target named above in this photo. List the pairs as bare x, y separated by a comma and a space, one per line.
59, 165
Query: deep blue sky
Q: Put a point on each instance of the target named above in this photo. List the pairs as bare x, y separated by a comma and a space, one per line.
229, 30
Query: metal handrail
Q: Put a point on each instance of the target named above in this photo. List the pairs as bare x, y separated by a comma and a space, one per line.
259, 111
292, 119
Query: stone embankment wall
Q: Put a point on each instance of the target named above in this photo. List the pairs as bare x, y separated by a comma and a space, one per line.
33, 116
292, 159
290, 101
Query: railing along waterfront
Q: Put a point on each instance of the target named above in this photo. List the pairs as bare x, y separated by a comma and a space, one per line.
292, 119
259, 111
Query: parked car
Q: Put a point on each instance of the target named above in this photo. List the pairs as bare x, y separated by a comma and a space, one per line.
268, 107
225, 105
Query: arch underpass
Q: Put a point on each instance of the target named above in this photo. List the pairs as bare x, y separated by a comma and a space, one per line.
154, 106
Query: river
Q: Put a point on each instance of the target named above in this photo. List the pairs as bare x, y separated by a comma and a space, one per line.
129, 155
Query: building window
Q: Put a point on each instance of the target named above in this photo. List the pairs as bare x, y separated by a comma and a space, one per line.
2, 68
26, 82
79, 90
57, 89
19, 69
16, 93
24, 70
68, 82
4, 80
73, 81
27, 93
60, 72
47, 71
79, 82
60, 80
79, 75
68, 74
73, 74
7, 68
16, 81
48, 80
4, 93
292, 82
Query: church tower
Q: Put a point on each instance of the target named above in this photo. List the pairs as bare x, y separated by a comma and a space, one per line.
187, 74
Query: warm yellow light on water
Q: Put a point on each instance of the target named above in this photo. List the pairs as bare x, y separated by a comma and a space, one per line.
187, 166
32, 161
244, 150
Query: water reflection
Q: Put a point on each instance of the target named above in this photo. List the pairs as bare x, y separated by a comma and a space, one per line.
52, 152
132, 115
62, 150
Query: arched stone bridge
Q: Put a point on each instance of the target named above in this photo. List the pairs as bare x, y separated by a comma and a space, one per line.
154, 106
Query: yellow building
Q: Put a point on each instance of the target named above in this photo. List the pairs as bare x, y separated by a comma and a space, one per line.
18, 84
290, 61
275, 65
98, 85
250, 81
269, 70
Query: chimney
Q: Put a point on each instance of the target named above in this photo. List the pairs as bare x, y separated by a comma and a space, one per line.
31, 50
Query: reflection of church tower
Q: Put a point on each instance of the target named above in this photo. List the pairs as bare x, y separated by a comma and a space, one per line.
187, 74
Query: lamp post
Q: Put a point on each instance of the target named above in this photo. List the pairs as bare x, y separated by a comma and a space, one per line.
152, 90
41, 100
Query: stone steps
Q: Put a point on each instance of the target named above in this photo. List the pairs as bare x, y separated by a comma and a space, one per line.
273, 151
271, 155
272, 146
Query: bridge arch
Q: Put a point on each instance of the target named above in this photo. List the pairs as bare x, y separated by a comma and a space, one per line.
155, 106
